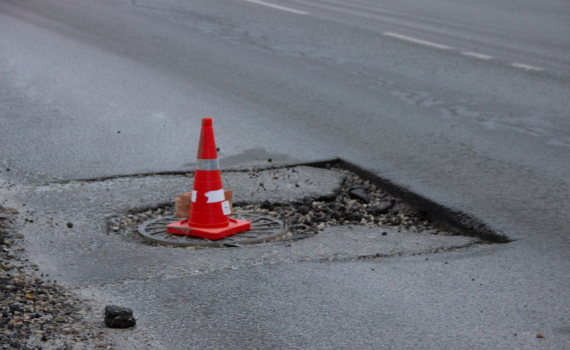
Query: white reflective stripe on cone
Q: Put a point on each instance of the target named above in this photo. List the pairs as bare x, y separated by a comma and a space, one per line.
215, 196
194, 194
207, 164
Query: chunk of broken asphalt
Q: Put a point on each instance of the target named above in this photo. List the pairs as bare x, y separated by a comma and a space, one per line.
303, 209
381, 208
396, 220
360, 194
267, 205
119, 317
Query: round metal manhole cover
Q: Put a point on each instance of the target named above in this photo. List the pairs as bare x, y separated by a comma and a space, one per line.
263, 229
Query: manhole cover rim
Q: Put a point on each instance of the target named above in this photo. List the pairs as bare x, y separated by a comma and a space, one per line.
264, 228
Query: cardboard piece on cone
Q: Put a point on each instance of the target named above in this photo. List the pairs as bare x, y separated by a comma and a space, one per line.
182, 205
184, 202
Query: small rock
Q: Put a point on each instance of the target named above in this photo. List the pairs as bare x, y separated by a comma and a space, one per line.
540, 335
303, 209
14, 211
359, 193
119, 317
21, 249
396, 220
381, 208
3, 216
60, 319
19, 235
307, 200
70, 224
6, 266
30, 296
267, 205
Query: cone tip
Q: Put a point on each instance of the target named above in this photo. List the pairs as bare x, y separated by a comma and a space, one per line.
206, 122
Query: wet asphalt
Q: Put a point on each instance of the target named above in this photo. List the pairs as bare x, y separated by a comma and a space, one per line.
118, 87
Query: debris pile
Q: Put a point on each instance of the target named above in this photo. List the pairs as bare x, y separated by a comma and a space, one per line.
358, 202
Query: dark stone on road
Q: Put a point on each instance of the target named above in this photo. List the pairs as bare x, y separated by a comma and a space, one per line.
303, 209
360, 194
119, 317
381, 208
267, 205
308, 200
396, 220
354, 217
70, 224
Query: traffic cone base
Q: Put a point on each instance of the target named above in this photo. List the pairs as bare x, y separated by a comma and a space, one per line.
182, 228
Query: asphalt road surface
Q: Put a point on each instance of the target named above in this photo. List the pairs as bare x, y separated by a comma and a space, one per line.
465, 103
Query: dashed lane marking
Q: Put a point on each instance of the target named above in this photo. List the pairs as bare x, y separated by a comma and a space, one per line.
527, 67
477, 55
407, 38
282, 8
417, 41
465, 53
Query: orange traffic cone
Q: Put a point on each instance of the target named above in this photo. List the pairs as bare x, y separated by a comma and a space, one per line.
209, 210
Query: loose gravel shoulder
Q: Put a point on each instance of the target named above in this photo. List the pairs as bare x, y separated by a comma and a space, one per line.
36, 312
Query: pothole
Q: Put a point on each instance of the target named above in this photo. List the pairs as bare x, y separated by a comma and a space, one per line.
358, 202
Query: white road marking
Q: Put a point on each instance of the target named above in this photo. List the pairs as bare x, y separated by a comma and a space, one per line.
417, 41
477, 55
277, 7
526, 66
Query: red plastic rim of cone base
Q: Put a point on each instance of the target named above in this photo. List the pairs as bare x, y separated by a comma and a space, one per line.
182, 228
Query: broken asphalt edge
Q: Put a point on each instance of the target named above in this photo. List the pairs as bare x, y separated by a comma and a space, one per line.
314, 164
467, 224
